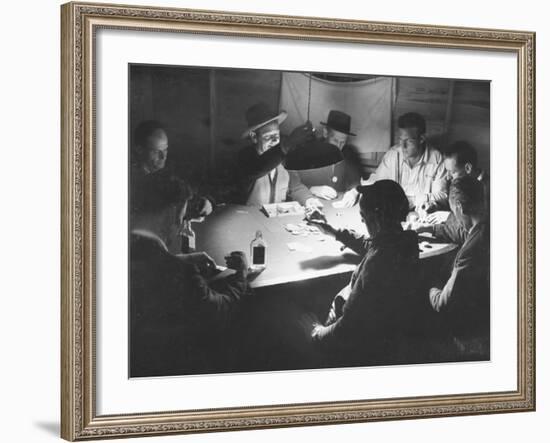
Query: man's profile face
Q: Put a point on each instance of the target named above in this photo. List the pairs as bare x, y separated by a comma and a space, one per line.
456, 209
454, 170
267, 137
156, 151
336, 138
411, 142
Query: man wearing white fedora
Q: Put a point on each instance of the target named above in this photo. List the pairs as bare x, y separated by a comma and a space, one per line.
262, 177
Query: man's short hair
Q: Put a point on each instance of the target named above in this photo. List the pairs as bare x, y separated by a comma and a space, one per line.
463, 152
145, 130
469, 192
412, 120
158, 191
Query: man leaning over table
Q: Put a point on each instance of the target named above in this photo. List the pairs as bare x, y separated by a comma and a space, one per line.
178, 319
460, 161
150, 145
414, 164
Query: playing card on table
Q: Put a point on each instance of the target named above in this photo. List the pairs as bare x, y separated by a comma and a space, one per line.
299, 247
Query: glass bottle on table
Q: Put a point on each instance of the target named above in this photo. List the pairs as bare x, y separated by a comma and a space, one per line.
188, 238
424, 203
258, 252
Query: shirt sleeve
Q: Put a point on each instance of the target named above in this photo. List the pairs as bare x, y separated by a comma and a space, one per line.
220, 302
296, 189
352, 174
353, 240
385, 169
450, 231
255, 166
443, 300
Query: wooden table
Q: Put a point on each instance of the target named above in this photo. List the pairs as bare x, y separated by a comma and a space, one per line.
232, 228
269, 331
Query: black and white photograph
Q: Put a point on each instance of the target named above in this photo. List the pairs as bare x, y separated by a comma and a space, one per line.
242, 222
306, 220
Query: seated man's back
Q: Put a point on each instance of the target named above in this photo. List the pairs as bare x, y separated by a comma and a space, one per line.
463, 302
177, 319
380, 311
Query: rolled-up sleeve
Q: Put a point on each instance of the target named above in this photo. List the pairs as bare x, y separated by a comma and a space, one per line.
353, 240
450, 231
443, 299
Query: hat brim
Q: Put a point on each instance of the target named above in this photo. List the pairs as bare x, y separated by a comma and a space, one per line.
280, 118
339, 130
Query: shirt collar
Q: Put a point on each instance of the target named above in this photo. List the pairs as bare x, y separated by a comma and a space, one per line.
479, 226
425, 158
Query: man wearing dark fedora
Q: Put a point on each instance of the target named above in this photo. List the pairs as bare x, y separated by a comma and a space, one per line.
262, 178
309, 186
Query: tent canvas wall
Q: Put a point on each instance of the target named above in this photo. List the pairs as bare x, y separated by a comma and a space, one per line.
204, 109
368, 102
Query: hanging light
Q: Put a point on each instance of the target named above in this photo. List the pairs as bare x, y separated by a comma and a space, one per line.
313, 154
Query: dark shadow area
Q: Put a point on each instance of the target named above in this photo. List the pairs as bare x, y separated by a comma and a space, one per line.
328, 261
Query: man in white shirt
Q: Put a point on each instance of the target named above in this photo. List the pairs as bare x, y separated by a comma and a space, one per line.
414, 164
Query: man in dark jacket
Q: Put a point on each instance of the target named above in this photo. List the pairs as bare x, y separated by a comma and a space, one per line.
177, 318
261, 175
375, 311
464, 300
308, 186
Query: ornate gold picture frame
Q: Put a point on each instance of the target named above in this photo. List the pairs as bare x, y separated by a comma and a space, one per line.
80, 23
